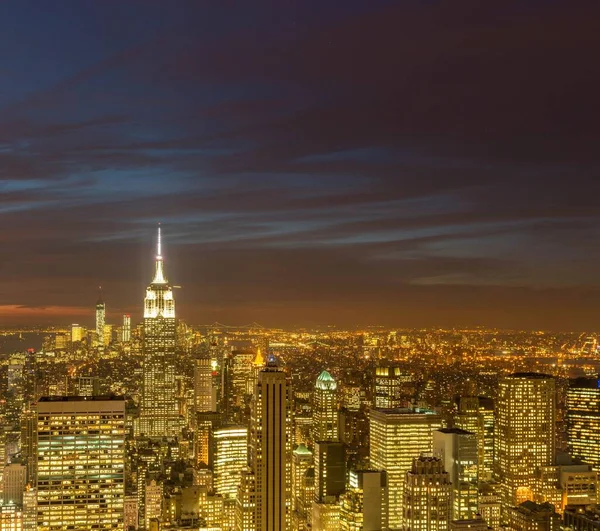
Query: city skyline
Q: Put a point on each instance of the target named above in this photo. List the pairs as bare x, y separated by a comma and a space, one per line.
406, 164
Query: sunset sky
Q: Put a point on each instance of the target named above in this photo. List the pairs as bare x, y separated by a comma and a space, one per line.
406, 163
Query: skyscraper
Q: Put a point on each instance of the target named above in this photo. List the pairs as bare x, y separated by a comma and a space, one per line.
525, 433
126, 330
458, 451
583, 420
159, 415
393, 387
271, 449
476, 414
325, 409
427, 496
100, 319
398, 436
205, 397
80, 463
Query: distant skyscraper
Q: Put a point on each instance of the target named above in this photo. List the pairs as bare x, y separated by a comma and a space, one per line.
397, 436
525, 433
159, 415
394, 388
77, 333
100, 319
325, 409
583, 420
427, 496
458, 451
271, 449
126, 330
80, 463
476, 414
205, 396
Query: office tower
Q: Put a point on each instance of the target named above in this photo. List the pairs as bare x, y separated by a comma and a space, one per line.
126, 329
230, 459
271, 449
206, 424
88, 386
397, 436
525, 433
81, 463
14, 481
245, 508
205, 397
130, 512
568, 484
393, 388
583, 420
29, 442
476, 414
302, 461
490, 505
107, 338
242, 374
159, 416
29, 509
330, 471
364, 505
325, 517
325, 409
153, 497
100, 319
77, 333
458, 451
11, 517
427, 496
530, 516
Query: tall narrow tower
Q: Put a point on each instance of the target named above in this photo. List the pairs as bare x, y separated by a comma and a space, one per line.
271, 449
525, 433
325, 409
100, 318
159, 416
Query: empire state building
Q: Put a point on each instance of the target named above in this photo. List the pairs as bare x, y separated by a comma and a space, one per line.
159, 416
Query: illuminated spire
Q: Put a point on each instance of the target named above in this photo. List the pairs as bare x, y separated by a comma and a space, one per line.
159, 275
259, 361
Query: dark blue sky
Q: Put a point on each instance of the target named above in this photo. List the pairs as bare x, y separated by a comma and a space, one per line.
411, 163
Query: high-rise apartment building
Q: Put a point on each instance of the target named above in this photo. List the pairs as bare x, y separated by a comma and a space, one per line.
80, 463
427, 496
458, 451
583, 420
397, 436
271, 449
525, 433
159, 414
325, 409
